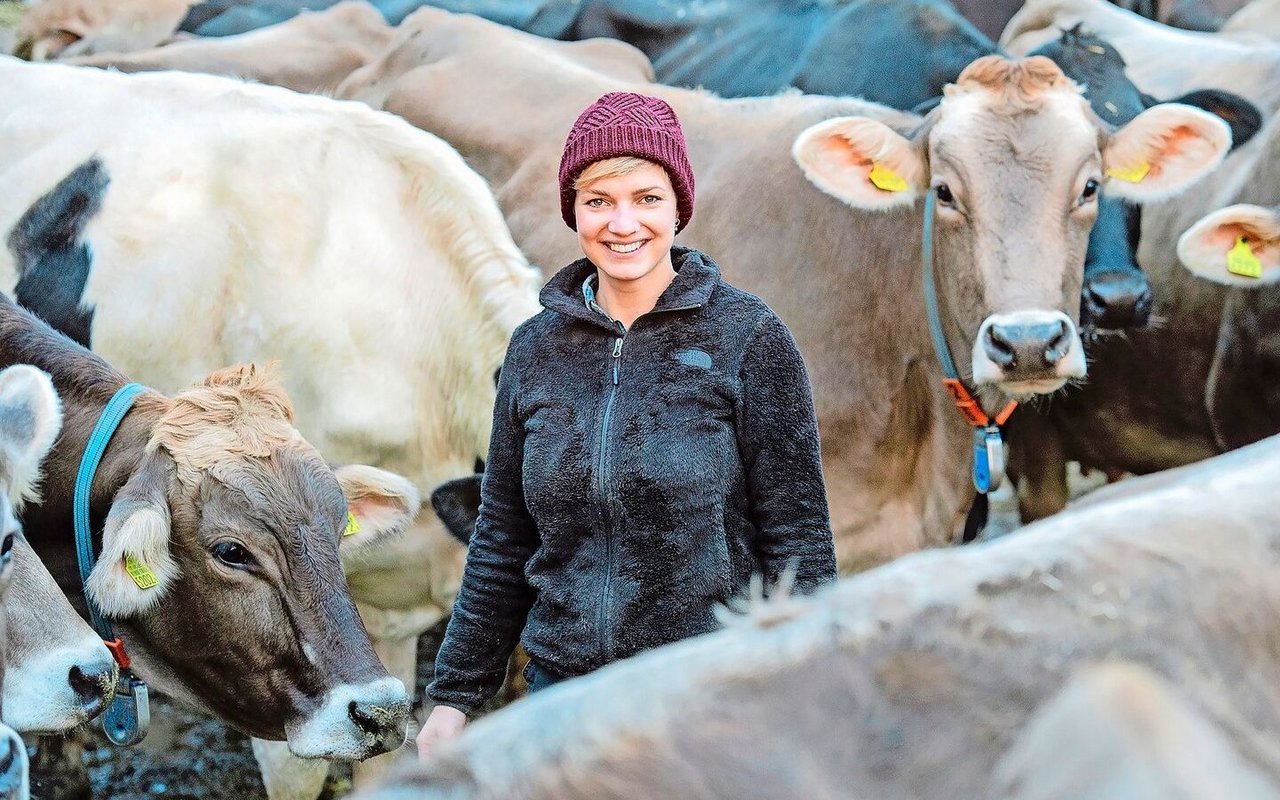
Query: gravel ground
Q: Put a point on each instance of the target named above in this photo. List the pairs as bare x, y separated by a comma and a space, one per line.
186, 756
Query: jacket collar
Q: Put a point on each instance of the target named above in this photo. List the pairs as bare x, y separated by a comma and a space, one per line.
696, 277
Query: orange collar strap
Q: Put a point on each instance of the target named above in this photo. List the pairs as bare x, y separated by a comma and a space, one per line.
969, 407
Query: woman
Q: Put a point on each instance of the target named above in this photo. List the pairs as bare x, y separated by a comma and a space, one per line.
654, 441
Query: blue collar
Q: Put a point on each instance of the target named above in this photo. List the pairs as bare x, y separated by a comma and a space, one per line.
128, 716
116, 408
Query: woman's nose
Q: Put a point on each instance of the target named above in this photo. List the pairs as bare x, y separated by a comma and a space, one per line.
623, 221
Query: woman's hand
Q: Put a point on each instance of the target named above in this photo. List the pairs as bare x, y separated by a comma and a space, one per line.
444, 723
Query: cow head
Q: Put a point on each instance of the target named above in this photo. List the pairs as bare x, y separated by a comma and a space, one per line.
1017, 160
239, 522
1116, 293
56, 672
1238, 245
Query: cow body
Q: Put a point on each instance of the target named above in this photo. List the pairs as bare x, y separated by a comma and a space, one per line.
914, 680
374, 265
311, 53
894, 456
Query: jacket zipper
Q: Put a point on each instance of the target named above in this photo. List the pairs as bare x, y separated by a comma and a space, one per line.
604, 471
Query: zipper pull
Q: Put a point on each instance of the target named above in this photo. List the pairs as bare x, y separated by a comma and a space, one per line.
617, 354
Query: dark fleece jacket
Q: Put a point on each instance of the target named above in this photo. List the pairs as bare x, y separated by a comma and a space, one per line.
636, 478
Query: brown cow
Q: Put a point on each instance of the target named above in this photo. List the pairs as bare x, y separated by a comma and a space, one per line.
312, 52
239, 519
914, 680
895, 452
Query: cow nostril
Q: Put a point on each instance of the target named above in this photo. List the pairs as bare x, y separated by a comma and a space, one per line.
1059, 344
378, 720
999, 349
8, 754
91, 686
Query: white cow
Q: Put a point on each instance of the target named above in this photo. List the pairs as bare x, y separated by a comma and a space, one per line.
220, 221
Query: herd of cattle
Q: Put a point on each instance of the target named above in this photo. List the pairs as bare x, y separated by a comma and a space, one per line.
367, 210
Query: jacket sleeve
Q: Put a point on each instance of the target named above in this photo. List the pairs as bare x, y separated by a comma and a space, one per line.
778, 440
494, 599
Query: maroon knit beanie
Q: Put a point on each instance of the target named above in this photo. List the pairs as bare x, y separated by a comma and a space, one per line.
627, 124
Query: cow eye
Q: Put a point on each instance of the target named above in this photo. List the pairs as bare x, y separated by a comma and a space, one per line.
944, 194
1090, 191
233, 555
6, 548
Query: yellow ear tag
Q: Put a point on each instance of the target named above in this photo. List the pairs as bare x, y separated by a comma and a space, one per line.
1241, 260
353, 525
886, 179
141, 573
1133, 174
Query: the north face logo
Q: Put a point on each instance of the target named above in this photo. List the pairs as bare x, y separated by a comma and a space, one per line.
694, 358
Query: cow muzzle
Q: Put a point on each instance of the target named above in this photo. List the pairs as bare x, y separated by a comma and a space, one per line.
1028, 352
1114, 299
13, 766
61, 689
356, 721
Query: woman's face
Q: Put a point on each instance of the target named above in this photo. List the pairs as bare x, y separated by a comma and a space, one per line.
626, 224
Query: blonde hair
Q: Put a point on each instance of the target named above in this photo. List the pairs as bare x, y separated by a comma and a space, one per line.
610, 168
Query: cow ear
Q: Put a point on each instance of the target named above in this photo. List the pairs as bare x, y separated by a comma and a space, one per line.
1242, 116
380, 503
1238, 245
1162, 151
457, 504
862, 162
136, 568
30, 418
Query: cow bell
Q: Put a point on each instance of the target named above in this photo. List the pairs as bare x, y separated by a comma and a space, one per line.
988, 458
129, 716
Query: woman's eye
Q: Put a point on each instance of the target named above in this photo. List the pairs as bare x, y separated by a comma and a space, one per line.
595, 202
650, 199
232, 554
1090, 190
944, 194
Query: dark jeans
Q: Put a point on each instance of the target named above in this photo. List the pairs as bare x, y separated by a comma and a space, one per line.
538, 677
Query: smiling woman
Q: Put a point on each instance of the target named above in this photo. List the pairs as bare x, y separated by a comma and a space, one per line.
654, 444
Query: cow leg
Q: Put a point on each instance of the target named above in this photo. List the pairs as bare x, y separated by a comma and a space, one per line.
1038, 460
286, 776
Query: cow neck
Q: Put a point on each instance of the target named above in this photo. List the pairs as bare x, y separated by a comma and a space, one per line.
84, 383
988, 445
